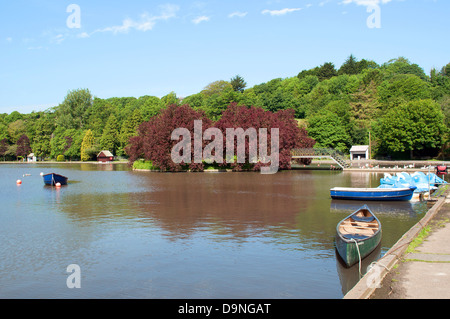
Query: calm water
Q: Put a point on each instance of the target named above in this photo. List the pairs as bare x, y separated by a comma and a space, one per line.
181, 235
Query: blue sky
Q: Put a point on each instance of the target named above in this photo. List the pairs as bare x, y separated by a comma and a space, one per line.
133, 48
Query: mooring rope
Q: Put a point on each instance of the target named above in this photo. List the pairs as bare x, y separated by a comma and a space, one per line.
359, 255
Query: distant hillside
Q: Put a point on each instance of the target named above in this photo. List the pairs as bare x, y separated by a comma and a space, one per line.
406, 111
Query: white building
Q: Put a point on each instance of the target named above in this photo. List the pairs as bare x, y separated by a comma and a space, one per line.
31, 158
359, 152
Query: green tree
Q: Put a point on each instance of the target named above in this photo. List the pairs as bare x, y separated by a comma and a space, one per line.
43, 130
310, 72
402, 88
238, 83
13, 116
97, 115
216, 87
73, 111
16, 129
329, 131
326, 71
110, 137
402, 65
150, 106
412, 126
72, 148
88, 146
129, 129
3, 129
195, 101
446, 70
350, 66
170, 99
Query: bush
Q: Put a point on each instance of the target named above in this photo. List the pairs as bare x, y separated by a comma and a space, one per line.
143, 164
60, 158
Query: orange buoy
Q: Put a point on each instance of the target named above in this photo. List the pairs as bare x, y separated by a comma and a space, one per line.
18, 182
58, 184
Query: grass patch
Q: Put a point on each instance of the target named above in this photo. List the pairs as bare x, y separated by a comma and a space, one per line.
418, 240
142, 164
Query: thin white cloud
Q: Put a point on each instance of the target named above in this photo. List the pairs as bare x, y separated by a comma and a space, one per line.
9, 39
83, 35
237, 14
200, 19
146, 22
366, 2
280, 12
35, 48
58, 39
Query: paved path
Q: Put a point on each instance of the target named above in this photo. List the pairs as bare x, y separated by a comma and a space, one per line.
425, 273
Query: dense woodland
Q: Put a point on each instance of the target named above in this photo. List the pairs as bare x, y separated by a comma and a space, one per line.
406, 111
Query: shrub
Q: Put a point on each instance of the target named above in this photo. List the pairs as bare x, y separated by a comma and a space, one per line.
143, 164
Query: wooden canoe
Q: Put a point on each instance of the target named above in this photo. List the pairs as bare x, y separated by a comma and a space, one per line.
357, 235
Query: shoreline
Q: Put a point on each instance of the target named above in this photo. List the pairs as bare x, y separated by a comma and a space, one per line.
369, 166
365, 288
69, 162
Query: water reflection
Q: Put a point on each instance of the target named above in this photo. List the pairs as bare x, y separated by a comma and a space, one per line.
183, 235
396, 209
349, 276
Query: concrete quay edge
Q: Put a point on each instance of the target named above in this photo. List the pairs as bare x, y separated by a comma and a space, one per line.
365, 287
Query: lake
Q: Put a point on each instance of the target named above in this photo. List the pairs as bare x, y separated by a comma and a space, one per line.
181, 235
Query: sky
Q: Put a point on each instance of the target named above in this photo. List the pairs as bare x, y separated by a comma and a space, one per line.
134, 48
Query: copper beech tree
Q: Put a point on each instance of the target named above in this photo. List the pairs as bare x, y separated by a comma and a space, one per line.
154, 142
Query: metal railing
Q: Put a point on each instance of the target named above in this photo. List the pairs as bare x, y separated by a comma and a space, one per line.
335, 155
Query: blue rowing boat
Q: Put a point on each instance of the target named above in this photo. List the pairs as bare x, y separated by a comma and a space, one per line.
52, 179
373, 194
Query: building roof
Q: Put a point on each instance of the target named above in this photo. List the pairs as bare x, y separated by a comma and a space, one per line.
359, 148
105, 153
31, 155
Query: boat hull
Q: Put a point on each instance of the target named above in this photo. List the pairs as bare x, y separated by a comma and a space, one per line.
349, 252
352, 250
373, 194
52, 179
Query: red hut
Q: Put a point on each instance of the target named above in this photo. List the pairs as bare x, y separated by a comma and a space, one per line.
105, 157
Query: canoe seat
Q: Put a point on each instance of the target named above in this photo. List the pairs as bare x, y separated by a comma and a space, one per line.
345, 230
355, 236
363, 219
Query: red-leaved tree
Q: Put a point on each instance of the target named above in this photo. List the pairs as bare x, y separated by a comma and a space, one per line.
154, 142
23, 146
290, 135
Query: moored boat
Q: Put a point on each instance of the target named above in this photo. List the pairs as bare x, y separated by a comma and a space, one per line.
52, 179
373, 194
357, 235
